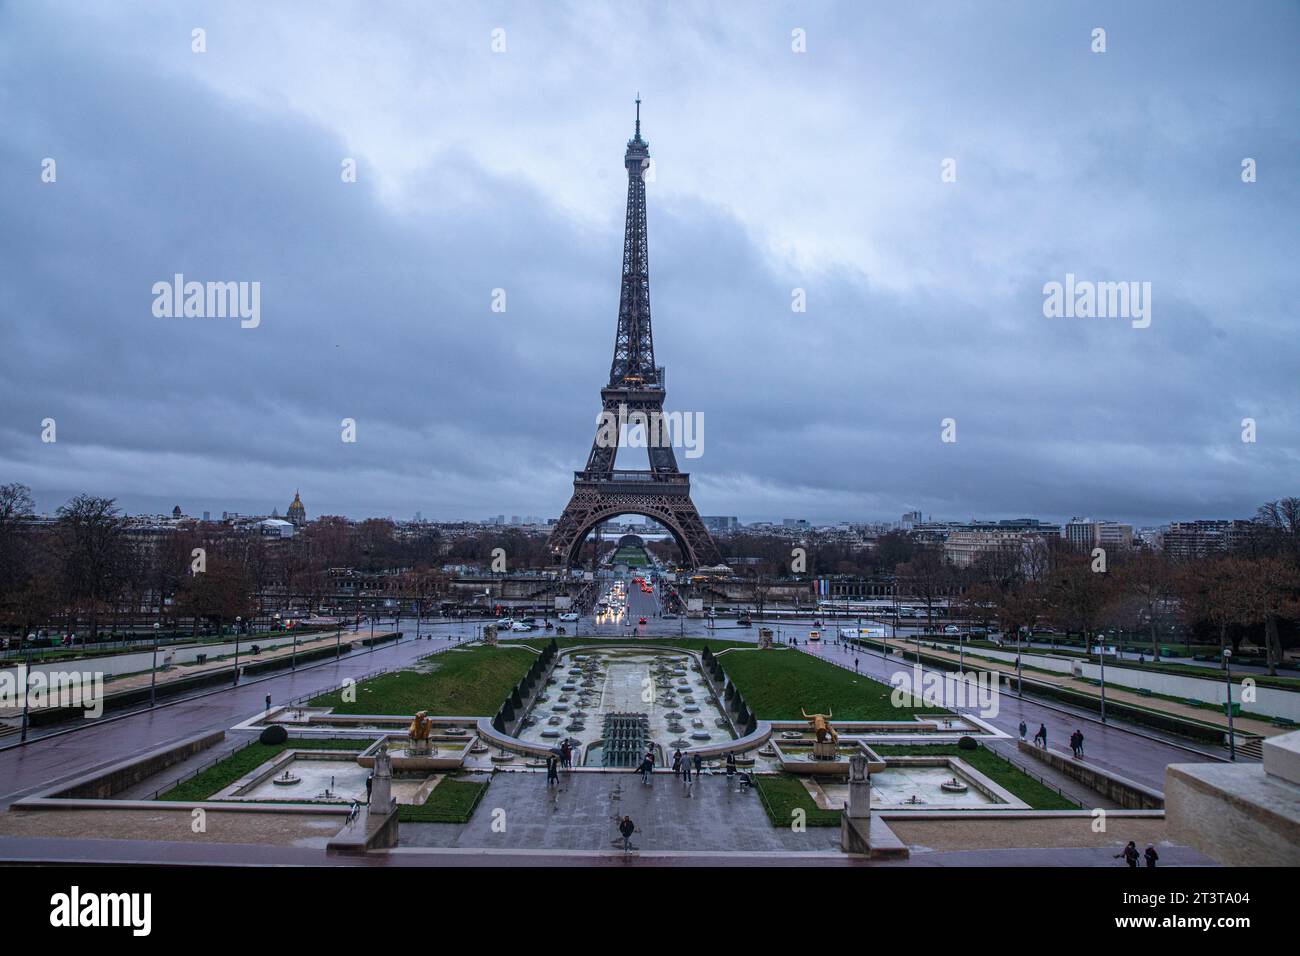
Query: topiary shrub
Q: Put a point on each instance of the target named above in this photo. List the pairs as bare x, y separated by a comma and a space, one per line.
275, 734
967, 743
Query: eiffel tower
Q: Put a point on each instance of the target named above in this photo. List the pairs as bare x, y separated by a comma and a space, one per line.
636, 385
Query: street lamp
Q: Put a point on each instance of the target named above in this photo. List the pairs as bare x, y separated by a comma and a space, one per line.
238, 619
1232, 738
1101, 656
153, 673
1019, 684
293, 661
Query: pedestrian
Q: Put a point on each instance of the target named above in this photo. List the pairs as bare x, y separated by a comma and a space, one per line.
1130, 854
564, 755
1040, 738
1024, 728
646, 768
626, 827
370, 782
855, 665
731, 764
686, 768
699, 765
677, 763
268, 701
1074, 744
1079, 734
1151, 856
552, 773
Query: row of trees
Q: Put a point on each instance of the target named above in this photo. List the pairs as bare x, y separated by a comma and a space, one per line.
90, 569
1248, 594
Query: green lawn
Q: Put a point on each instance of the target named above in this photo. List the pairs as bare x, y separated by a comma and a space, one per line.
777, 684
784, 794
457, 683
223, 774
993, 766
451, 801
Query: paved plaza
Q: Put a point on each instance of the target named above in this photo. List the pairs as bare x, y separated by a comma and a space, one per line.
580, 814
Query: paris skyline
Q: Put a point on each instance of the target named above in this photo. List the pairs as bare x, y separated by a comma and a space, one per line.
823, 171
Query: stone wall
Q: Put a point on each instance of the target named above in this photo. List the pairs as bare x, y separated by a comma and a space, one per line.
1126, 793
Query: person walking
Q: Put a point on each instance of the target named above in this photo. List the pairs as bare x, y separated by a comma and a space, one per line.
552, 773
1074, 744
855, 665
699, 765
686, 768
268, 701
1151, 856
1130, 854
1040, 738
626, 828
731, 764
1024, 729
646, 768
1079, 737
677, 763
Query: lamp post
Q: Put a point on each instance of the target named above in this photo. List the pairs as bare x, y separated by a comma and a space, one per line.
27, 674
1232, 738
153, 673
238, 620
1101, 656
1019, 686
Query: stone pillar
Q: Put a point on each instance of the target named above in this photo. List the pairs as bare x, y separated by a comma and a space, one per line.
381, 789
859, 805
855, 821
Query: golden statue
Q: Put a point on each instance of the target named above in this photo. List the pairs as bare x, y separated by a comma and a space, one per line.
821, 725
419, 731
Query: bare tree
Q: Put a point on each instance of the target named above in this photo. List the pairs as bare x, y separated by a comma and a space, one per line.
91, 546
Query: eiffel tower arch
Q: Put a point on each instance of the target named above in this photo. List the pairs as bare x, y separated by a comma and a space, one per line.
636, 385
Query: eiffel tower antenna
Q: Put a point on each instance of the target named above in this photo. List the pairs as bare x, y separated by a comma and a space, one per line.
636, 387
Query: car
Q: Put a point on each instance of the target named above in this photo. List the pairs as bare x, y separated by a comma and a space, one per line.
669, 617
505, 624
521, 627
568, 616
745, 622
952, 629
641, 621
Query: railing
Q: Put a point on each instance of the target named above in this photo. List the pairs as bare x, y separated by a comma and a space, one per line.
657, 477
198, 770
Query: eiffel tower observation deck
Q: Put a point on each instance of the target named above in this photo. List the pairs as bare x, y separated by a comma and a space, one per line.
636, 386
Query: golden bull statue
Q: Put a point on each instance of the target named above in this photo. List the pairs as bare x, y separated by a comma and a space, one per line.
821, 725
420, 727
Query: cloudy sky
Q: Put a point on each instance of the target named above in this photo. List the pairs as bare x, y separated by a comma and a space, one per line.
482, 169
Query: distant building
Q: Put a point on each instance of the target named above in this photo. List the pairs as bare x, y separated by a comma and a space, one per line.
276, 528
965, 544
297, 513
1195, 539
720, 523
1084, 534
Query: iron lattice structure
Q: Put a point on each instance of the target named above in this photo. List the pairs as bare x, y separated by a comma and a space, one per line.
636, 385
